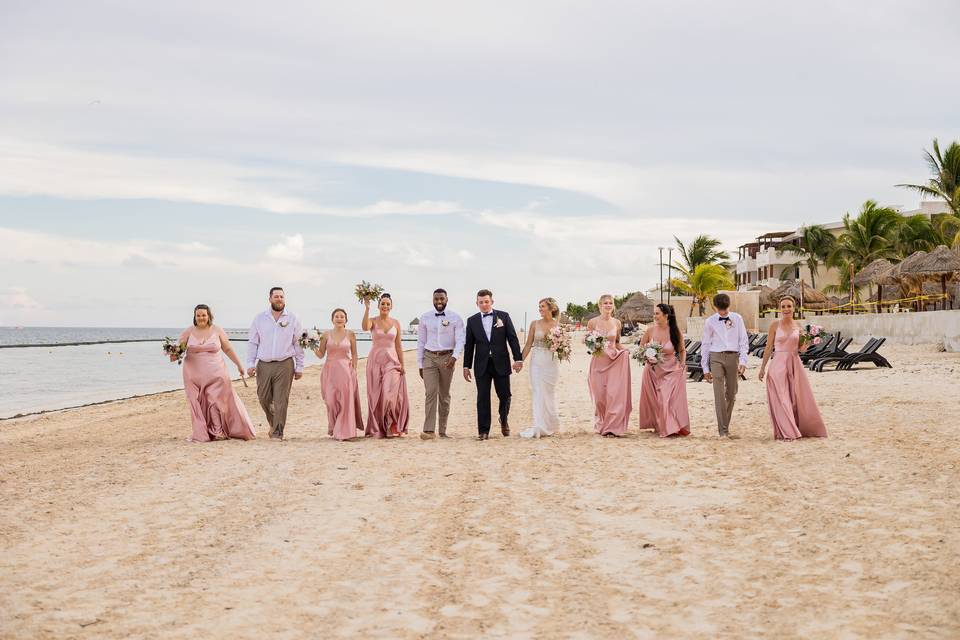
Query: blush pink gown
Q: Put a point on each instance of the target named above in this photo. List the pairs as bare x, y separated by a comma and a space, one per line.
609, 383
793, 410
388, 407
340, 391
215, 408
663, 394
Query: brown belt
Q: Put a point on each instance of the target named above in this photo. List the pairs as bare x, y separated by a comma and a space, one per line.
440, 353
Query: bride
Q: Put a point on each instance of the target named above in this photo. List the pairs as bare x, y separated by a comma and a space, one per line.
544, 372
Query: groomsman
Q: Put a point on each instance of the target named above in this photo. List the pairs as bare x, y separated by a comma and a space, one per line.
440, 343
489, 333
275, 357
724, 358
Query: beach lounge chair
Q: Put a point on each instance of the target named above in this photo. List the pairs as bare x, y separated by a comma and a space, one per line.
867, 353
820, 350
760, 345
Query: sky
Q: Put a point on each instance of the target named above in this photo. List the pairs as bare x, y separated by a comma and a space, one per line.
158, 155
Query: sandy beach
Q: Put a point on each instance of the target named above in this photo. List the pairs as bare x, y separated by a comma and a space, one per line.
113, 526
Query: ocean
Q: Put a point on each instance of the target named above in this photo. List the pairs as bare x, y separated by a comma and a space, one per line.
47, 368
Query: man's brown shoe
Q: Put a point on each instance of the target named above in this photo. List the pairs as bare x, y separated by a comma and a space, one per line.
426, 435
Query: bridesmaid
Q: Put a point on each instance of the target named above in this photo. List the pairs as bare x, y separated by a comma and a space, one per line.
215, 408
544, 372
793, 410
609, 378
663, 391
338, 379
388, 407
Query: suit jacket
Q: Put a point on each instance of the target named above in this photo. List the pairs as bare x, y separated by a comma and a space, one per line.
481, 354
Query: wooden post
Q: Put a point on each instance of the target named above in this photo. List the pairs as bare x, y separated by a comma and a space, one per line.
851, 289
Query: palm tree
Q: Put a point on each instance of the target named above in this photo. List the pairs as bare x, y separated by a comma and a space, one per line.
816, 245
702, 282
917, 233
945, 181
869, 236
703, 250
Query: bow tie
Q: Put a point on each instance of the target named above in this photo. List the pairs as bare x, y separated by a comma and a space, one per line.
726, 319
488, 314
442, 313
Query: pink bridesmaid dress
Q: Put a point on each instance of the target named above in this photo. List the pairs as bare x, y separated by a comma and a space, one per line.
793, 410
609, 383
340, 391
388, 407
215, 408
663, 394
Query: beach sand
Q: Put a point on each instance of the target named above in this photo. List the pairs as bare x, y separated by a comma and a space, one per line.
113, 526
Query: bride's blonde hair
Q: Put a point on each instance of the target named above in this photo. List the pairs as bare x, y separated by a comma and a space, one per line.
554, 307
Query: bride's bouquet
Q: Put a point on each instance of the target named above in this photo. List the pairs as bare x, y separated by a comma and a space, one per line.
558, 342
310, 339
366, 291
810, 334
651, 354
596, 343
175, 349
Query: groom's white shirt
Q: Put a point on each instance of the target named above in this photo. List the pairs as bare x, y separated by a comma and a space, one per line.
488, 323
433, 336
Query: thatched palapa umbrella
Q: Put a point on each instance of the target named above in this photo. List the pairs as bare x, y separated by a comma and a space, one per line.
900, 274
874, 273
765, 300
637, 308
806, 295
940, 264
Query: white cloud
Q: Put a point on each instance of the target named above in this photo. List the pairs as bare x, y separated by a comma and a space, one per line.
465, 255
18, 298
289, 250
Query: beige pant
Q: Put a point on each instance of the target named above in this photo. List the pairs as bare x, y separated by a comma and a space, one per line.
723, 368
274, 380
436, 382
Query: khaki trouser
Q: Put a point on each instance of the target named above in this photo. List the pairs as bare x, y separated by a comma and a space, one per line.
436, 382
274, 380
723, 368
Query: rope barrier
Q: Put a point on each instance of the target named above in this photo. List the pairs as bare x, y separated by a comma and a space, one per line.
866, 306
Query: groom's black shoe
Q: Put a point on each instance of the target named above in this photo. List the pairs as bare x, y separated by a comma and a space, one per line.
505, 429
483, 436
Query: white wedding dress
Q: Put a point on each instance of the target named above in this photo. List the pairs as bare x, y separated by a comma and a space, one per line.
544, 373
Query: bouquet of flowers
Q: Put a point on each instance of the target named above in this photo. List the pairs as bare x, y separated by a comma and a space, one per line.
558, 342
366, 291
596, 342
310, 339
651, 354
173, 348
810, 334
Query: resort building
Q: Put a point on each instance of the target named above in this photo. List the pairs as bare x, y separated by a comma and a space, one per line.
765, 261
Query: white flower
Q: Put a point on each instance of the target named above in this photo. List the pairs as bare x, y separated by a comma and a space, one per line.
313, 334
499, 324
650, 353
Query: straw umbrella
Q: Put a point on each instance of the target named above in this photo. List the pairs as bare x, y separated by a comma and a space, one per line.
637, 308
798, 289
871, 274
766, 300
908, 282
941, 263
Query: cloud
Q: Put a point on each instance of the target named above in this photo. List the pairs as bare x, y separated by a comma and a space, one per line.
289, 250
18, 298
138, 261
465, 255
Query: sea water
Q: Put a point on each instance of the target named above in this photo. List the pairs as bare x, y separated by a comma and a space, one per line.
63, 374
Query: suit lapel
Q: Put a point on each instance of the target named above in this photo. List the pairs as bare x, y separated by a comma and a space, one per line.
482, 335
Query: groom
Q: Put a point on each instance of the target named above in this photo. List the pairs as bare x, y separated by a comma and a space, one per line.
488, 335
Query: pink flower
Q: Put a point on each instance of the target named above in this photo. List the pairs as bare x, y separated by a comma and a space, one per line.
816, 341
814, 330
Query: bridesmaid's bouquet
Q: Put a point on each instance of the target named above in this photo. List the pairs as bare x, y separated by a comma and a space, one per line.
651, 354
558, 342
366, 291
810, 334
596, 343
310, 339
173, 348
